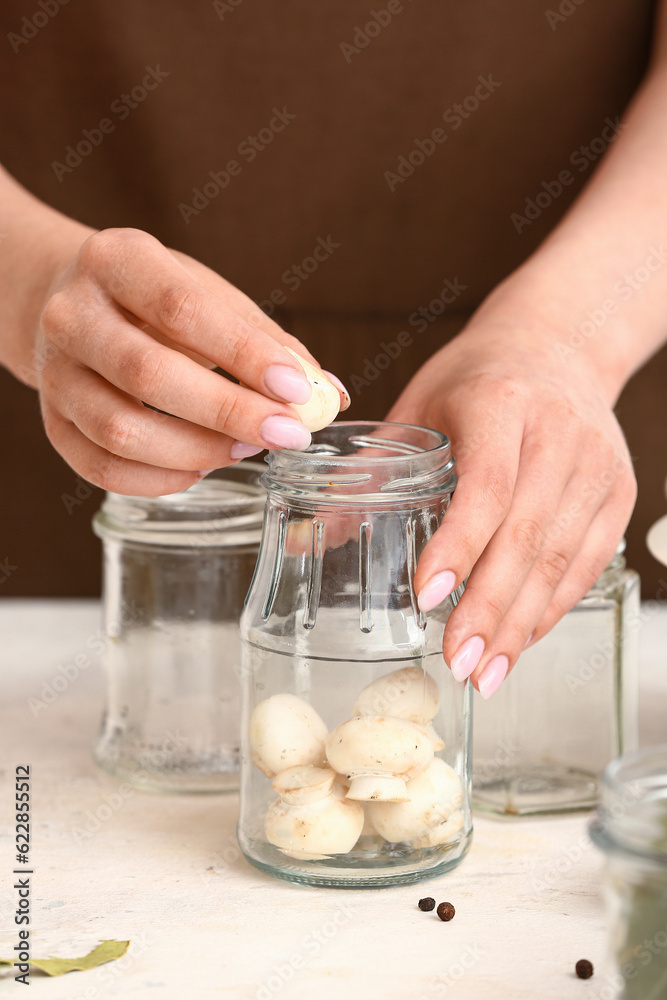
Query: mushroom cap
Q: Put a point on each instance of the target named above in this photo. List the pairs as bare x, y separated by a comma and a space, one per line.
435, 738
434, 796
315, 830
324, 404
378, 745
303, 784
410, 693
443, 833
285, 731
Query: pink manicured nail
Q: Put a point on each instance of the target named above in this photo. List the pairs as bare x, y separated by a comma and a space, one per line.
283, 432
288, 384
493, 675
528, 640
466, 658
242, 450
339, 385
436, 590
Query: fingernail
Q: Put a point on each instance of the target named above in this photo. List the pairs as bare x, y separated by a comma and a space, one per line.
242, 450
288, 384
528, 640
339, 385
466, 658
283, 432
436, 590
205, 472
493, 675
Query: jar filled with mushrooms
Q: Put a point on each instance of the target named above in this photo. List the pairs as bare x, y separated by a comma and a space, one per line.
354, 734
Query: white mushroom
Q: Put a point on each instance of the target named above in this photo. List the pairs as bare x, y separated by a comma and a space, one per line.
378, 754
368, 829
324, 404
430, 817
286, 731
312, 819
410, 693
442, 833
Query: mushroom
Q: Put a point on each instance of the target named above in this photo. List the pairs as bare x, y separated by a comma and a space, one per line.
431, 816
312, 819
286, 731
442, 833
368, 830
324, 404
410, 693
378, 754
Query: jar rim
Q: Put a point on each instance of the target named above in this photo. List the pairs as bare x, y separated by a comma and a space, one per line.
225, 508
631, 818
339, 465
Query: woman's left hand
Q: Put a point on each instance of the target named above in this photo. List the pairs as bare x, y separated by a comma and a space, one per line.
545, 488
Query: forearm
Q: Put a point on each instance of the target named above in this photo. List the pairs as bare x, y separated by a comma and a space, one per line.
598, 284
36, 243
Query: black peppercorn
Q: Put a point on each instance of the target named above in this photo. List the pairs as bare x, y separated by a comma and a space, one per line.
584, 968
427, 903
446, 911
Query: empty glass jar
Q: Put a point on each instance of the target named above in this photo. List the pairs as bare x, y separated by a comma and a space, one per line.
176, 571
355, 736
568, 708
631, 828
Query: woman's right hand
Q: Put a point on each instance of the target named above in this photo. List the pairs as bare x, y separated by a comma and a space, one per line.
129, 322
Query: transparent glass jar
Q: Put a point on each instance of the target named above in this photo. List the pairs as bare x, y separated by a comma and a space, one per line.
631, 828
568, 708
176, 571
355, 736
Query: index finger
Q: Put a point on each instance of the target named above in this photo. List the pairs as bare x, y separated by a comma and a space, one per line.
487, 464
144, 278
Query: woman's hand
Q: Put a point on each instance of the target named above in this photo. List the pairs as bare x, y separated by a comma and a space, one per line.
129, 322
545, 489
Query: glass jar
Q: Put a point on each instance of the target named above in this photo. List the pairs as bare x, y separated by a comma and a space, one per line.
567, 709
631, 828
355, 736
176, 571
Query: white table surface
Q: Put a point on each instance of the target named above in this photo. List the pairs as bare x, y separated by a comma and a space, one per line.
165, 872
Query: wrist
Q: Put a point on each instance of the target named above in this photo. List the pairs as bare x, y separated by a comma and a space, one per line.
50, 244
558, 322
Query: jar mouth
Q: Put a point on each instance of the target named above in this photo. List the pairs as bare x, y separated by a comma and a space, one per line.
225, 508
357, 460
632, 815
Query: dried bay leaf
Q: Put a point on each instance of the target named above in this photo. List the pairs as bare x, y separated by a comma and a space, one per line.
106, 951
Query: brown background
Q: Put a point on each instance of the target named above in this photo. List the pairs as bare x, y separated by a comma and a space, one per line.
324, 175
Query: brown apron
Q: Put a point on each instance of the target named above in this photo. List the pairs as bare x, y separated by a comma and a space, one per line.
360, 170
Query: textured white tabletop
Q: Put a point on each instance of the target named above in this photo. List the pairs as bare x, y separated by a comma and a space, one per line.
166, 873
